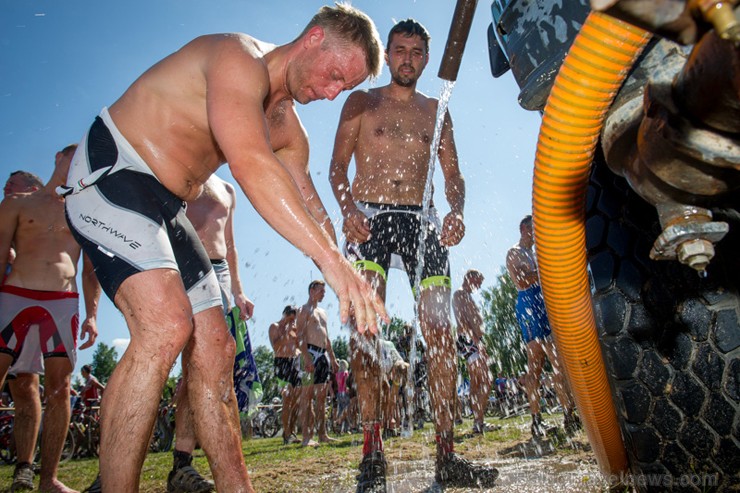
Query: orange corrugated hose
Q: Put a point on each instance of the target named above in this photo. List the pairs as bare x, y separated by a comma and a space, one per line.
584, 88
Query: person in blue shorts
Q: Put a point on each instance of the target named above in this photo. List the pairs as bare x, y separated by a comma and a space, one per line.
532, 317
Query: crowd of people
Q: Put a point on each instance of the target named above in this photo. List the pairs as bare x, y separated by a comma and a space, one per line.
139, 203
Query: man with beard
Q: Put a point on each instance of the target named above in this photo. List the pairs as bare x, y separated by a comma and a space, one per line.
389, 131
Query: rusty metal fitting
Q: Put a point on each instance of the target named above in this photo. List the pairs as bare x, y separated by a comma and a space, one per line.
688, 236
721, 16
696, 253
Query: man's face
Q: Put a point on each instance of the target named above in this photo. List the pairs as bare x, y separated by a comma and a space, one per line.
318, 292
17, 184
476, 282
406, 57
290, 321
326, 69
527, 234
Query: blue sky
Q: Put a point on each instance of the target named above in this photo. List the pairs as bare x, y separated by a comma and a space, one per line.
61, 62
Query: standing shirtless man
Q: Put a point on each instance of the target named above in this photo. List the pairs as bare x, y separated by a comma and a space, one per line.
318, 361
535, 326
284, 341
389, 131
38, 301
220, 98
212, 216
471, 346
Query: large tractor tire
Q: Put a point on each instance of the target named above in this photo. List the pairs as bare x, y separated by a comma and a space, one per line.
671, 344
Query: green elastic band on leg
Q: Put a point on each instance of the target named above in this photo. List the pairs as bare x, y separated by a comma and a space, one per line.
371, 266
442, 281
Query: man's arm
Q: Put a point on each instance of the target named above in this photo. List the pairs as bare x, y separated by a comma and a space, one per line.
91, 292
330, 351
246, 307
301, 322
453, 228
356, 226
238, 84
9, 213
295, 159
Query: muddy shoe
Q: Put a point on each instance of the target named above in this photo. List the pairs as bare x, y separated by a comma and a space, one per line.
188, 480
539, 431
95, 486
571, 423
372, 474
22, 478
455, 471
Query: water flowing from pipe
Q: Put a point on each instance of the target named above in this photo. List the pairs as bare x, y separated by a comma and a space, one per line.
425, 223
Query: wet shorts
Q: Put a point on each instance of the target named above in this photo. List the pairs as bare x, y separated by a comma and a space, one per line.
221, 269
531, 314
467, 349
288, 370
395, 231
127, 222
37, 324
321, 370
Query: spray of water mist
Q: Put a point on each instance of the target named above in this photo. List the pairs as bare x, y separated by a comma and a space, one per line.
424, 228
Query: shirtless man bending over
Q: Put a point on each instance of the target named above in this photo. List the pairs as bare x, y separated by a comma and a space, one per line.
284, 341
389, 131
221, 98
40, 294
471, 346
318, 361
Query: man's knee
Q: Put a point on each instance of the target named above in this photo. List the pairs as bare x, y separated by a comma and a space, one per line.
25, 388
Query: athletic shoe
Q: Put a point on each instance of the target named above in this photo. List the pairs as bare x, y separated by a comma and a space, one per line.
478, 428
188, 480
372, 474
22, 478
455, 471
538, 427
95, 486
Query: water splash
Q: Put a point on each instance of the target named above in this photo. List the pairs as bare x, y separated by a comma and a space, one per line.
444, 100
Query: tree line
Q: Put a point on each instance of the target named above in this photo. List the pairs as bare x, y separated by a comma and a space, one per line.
502, 339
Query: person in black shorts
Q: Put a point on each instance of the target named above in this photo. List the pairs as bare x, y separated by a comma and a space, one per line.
284, 343
318, 364
388, 131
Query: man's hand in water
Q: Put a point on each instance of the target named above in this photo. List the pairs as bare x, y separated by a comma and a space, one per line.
453, 229
356, 227
355, 295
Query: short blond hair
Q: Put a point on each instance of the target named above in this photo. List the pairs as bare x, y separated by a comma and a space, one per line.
351, 25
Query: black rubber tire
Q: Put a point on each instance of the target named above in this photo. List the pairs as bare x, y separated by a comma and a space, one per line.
270, 426
671, 344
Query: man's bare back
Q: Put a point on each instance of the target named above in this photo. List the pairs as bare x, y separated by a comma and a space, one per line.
183, 132
46, 253
164, 114
393, 146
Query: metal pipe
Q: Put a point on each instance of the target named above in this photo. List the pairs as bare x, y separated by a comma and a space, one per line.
462, 19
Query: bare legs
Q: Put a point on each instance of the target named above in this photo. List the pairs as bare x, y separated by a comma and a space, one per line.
480, 387
57, 373
434, 315
130, 402
537, 350
27, 402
